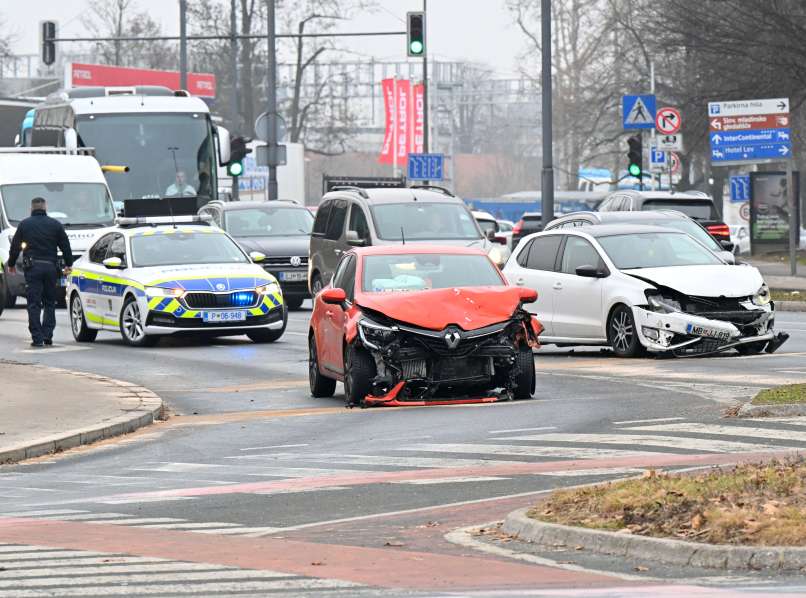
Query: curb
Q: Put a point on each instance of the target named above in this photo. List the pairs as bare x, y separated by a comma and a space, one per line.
674, 552
782, 410
790, 306
142, 407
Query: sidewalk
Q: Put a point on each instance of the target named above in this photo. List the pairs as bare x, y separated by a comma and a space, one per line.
45, 410
776, 274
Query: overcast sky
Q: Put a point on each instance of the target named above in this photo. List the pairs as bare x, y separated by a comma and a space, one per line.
483, 33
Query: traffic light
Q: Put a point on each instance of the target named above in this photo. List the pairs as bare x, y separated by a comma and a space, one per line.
48, 45
635, 156
415, 34
238, 151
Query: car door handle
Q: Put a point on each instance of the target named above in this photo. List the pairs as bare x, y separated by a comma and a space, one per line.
558, 286
337, 251
520, 282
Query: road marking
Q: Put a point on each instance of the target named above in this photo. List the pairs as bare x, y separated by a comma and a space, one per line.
645, 440
455, 480
140, 520
42, 513
178, 467
127, 500
719, 430
402, 461
522, 430
522, 451
110, 568
261, 448
54, 349
189, 526
627, 471
156, 577
67, 557
649, 421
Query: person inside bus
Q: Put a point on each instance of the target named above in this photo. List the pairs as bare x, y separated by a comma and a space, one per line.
180, 187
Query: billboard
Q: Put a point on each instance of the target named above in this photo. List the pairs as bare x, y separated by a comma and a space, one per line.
404, 104
769, 208
100, 75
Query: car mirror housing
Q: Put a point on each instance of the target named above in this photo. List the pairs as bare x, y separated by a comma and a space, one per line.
256, 256
726, 245
113, 263
334, 296
590, 272
527, 295
354, 240
727, 257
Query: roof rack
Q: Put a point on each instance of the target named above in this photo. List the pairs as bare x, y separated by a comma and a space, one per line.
330, 182
442, 190
353, 188
79, 151
156, 220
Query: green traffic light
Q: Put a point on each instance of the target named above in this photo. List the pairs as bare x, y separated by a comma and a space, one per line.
235, 169
635, 170
416, 47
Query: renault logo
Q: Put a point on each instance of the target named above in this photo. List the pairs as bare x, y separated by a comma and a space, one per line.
452, 338
296, 261
220, 286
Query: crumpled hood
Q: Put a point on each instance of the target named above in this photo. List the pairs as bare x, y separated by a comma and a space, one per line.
469, 308
276, 246
213, 277
705, 281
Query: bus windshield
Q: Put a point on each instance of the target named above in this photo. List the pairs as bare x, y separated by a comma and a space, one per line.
73, 204
168, 155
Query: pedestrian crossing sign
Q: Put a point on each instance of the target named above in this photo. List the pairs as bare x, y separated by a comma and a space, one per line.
638, 111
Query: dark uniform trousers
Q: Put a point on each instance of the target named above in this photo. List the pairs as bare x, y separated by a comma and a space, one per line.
41, 280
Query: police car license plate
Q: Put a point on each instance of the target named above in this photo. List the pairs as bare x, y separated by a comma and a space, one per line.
223, 316
708, 332
293, 276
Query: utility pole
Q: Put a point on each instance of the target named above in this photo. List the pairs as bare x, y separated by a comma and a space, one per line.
271, 96
425, 78
183, 44
234, 118
547, 189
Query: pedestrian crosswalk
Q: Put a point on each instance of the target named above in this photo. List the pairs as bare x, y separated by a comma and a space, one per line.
35, 571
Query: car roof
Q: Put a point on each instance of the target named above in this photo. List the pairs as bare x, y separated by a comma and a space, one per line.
410, 248
606, 230
632, 216
228, 206
483, 215
27, 168
677, 195
393, 195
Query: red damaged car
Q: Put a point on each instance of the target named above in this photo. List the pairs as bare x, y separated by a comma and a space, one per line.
416, 325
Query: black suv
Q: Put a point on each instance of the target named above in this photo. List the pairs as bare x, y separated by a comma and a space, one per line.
279, 229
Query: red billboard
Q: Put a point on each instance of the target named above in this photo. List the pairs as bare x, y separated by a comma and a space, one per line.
405, 120
101, 75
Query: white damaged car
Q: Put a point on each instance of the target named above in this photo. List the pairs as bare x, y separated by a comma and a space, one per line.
642, 288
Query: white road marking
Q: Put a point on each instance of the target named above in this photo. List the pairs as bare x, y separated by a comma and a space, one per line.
261, 448
522, 451
39, 513
87, 517
719, 430
54, 349
156, 577
66, 557
425, 462
305, 472
178, 467
649, 421
139, 499
456, 480
109, 569
140, 520
643, 441
241, 531
189, 526
573, 473
522, 430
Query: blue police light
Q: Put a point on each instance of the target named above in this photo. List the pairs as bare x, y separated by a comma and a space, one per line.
242, 299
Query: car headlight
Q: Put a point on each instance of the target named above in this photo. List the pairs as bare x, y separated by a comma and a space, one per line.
375, 335
762, 296
162, 292
271, 288
664, 305
497, 256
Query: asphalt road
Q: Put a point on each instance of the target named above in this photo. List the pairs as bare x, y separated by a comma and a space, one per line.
252, 486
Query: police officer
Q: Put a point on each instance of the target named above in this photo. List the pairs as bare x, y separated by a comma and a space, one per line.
40, 236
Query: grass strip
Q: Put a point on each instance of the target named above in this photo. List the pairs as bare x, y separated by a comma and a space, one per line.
781, 395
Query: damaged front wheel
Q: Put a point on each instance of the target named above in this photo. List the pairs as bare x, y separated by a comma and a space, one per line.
525, 388
359, 372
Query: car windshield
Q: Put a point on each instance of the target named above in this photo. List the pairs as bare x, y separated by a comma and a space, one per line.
184, 248
423, 271
656, 250
699, 209
269, 222
168, 155
72, 204
424, 221
688, 227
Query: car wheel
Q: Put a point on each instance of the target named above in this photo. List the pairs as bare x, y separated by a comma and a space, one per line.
321, 386
622, 334
132, 329
359, 371
78, 322
525, 387
3, 292
294, 303
316, 285
751, 348
265, 335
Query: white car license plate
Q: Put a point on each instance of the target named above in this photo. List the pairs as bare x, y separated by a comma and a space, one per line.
223, 316
706, 332
293, 276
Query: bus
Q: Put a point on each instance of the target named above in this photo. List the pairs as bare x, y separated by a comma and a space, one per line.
165, 139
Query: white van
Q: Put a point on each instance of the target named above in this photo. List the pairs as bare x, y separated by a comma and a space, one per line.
77, 195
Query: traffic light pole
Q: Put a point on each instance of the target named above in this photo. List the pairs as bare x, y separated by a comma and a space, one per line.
235, 191
425, 81
183, 44
271, 97
547, 182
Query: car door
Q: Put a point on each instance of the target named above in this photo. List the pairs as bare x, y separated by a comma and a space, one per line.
90, 280
577, 300
114, 292
332, 330
534, 267
333, 244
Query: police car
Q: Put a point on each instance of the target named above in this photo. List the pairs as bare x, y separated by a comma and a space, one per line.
154, 276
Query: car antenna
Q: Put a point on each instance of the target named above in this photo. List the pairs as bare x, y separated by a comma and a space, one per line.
402, 235
176, 176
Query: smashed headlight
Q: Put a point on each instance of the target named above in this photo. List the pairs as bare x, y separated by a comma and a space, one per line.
375, 335
663, 304
762, 296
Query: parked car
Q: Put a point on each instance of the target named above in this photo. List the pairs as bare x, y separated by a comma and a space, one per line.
279, 229
530, 222
667, 218
694, 204
740, 237
358, 217
642, 288
417, 324
491, 229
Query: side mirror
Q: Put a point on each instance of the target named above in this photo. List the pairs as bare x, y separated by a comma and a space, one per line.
527, 295
223, 146
354, 240
491, 235
334, 296
113, 263
590, 272
256, 256
727, 257
71, 140
726, 245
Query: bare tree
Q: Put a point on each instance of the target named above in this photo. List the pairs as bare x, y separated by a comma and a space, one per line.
5, 39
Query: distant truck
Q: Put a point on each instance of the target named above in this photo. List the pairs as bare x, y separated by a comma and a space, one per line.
77, 195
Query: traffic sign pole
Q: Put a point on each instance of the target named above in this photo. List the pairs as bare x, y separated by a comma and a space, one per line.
794, 225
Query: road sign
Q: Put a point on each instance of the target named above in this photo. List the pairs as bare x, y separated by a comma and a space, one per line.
670, 143
674, 162
668, 121
266, 155
657, 159
749, 131
426, 167
740, 188
262, 127
638, 112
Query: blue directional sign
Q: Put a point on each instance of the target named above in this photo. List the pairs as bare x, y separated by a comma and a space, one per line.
750, 131
426, 167
740, 188
638, 112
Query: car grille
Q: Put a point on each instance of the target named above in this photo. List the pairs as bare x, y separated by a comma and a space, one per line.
243, 299
284, 262
724, 309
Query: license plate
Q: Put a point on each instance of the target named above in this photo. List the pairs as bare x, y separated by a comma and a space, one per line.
293, 276
223, 316
706, 332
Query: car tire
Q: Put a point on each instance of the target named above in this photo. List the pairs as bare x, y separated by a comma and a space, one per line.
316, 285
622, 333
751, 348
321, 386
294, 303
78, 321
3, 293
359, 371
131, 326
525, 387
265, 335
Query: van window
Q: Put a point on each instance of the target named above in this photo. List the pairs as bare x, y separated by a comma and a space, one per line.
335, 225
322, 214
73, 204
